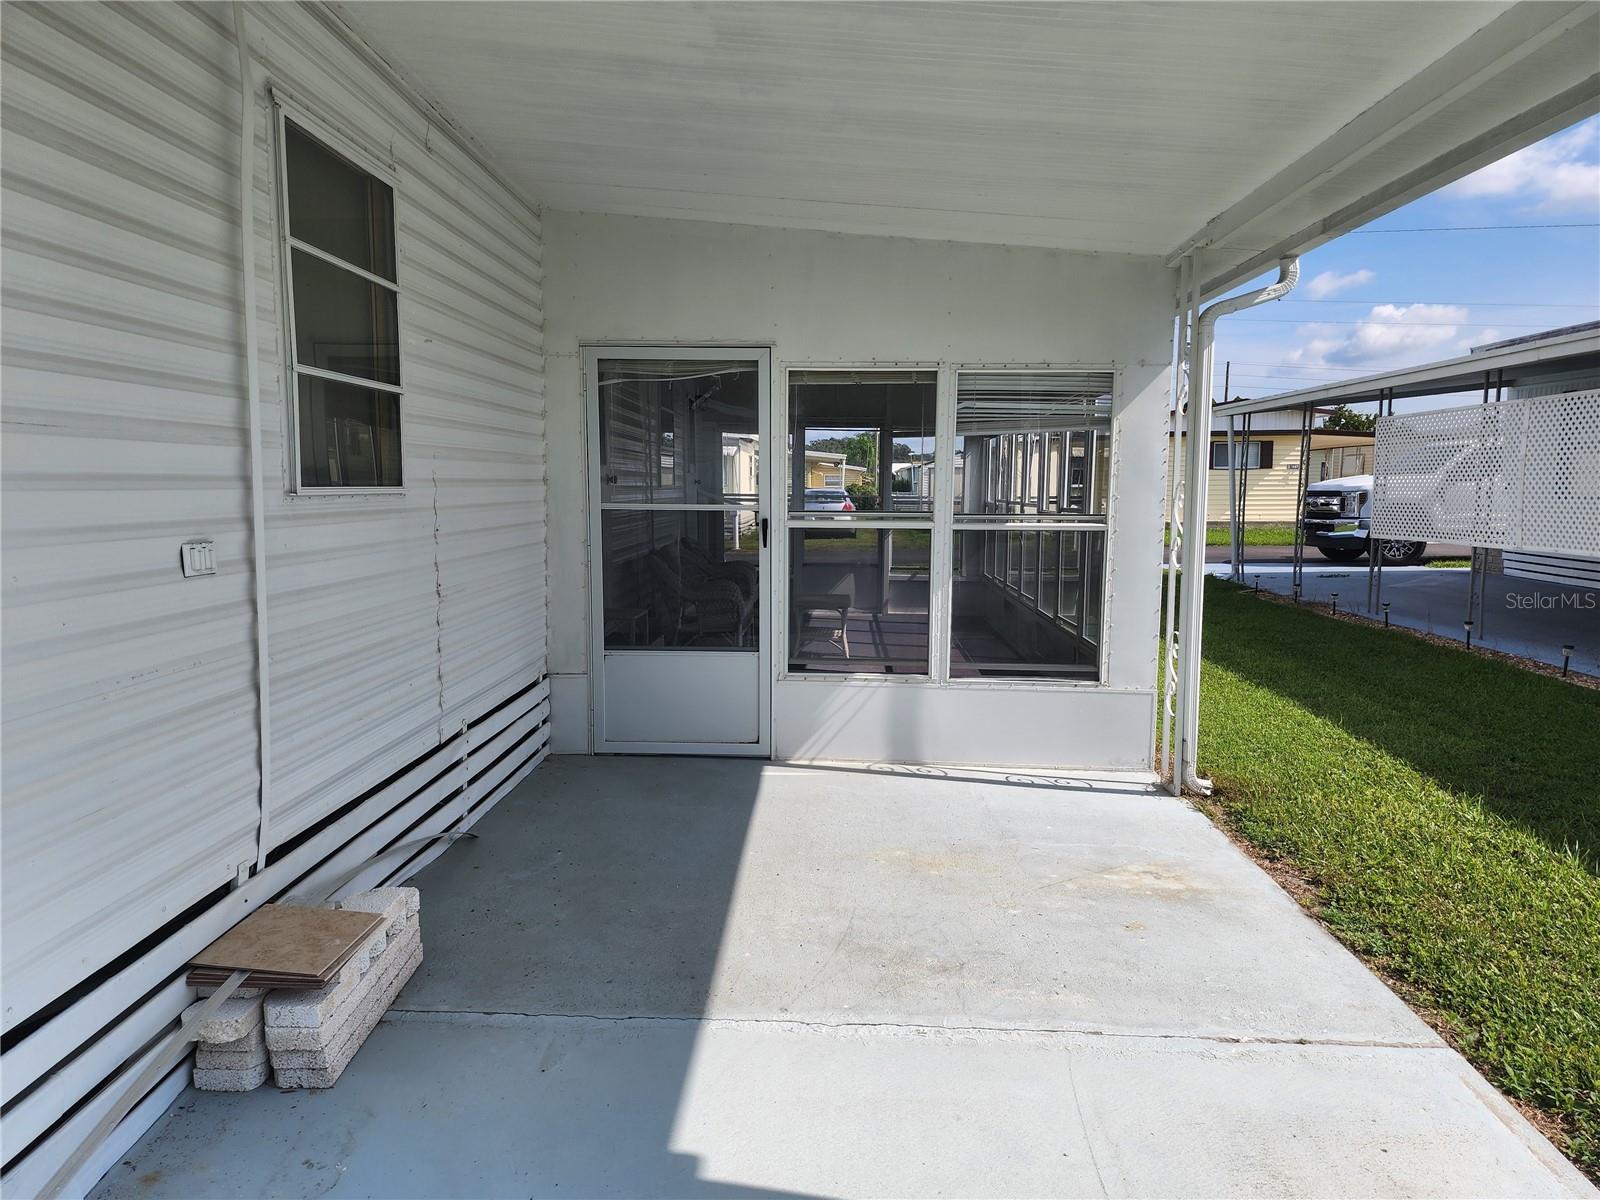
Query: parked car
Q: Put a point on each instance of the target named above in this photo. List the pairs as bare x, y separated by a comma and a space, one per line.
829, 500
1338, 517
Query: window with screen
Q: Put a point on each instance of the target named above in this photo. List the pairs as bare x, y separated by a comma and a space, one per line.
1247, 456
1032, 487
343, 317
861, 469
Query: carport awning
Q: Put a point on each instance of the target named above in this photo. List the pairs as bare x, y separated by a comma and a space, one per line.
1251, 130
1517, 364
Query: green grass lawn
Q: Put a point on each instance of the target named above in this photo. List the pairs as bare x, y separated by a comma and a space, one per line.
1254, 535
910, 545
1444, 809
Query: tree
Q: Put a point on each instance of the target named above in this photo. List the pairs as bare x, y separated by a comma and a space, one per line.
1346, 420
860, 449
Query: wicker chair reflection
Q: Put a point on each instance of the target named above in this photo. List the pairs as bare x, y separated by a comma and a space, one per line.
695, 606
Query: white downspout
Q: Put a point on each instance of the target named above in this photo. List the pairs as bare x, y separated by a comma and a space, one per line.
252, 370
1196, 469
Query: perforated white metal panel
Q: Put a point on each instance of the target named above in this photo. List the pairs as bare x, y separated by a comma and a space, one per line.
1515, 475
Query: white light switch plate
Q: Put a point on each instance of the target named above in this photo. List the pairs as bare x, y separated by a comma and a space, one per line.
198, 558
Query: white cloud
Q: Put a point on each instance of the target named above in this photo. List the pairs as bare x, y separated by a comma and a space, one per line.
1552, 175
1391, 335
1330, 283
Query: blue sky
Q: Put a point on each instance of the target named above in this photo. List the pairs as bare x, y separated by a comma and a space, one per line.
1371, 300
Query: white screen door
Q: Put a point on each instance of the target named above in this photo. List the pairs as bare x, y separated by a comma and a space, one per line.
678, 541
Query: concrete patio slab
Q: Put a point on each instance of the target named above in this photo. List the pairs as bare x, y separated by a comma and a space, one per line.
725, 889
698, 977
446, 1106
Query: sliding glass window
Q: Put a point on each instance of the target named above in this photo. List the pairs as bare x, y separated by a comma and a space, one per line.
1032, 485
861, 516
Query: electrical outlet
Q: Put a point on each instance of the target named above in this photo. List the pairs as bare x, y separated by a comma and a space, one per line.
198, 558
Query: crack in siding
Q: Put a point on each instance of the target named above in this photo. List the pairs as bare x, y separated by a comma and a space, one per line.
438, 601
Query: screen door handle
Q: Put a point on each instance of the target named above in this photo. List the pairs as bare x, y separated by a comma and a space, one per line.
763, 533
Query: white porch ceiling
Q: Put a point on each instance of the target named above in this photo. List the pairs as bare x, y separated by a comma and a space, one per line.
1122, 127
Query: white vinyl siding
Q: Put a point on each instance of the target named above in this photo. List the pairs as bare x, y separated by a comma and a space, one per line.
130, 730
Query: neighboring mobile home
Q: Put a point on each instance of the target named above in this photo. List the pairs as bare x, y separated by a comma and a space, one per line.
1271, 457
475, 423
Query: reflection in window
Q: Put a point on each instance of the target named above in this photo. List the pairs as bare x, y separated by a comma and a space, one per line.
344, 323
345, 318
858, 600
680, 580
1040, 620
349, 436
867, 434
679, 431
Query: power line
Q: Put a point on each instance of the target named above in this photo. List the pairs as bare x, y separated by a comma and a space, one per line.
1398, 324
1474, 228
1254, 362
1462, 303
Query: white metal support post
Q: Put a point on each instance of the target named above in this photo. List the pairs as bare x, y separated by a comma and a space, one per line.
1196, 467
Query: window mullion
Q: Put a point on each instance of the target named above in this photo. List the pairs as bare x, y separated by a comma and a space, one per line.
941, 581
334, 260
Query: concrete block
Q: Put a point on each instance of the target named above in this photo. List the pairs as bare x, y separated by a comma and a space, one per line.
338, 1058
230, 1080
309, 1007
239, 1045
393, 904
337, 1022
371, 949
357, 1025
233, 1019
247, 1058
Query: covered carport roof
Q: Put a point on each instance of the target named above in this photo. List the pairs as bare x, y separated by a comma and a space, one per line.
1247, 130
1511, 364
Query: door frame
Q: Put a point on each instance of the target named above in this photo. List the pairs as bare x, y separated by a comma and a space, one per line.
591, 353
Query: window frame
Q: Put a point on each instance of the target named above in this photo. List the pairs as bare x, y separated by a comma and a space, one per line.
787, 521
1246, 446
287, 110
945, 523
1003, 528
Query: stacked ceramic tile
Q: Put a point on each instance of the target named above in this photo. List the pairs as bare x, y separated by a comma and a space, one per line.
232, 1051
311, 1035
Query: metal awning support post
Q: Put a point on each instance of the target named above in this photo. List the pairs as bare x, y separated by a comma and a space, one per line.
1196, 467
1374, 558
1244, 504
1303, 481
1233, 502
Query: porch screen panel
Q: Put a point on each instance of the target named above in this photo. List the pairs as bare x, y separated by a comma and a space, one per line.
1033, 450
679, 487
860, 549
